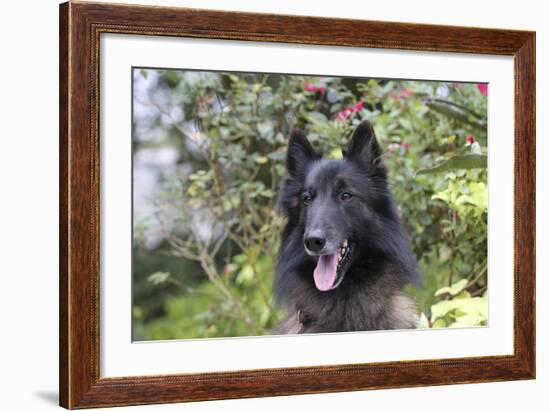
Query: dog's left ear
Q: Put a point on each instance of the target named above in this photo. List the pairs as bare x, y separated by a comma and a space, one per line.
364, 147
300, 153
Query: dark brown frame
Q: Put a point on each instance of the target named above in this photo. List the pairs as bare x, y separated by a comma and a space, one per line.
80, 27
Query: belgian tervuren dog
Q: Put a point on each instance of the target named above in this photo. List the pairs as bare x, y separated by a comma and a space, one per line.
344, 255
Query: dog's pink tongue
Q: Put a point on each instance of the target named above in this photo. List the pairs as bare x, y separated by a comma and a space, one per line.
325, 272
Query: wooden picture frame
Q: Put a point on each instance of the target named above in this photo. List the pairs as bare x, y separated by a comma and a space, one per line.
80, 27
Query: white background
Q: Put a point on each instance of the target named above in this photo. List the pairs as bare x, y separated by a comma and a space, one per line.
28, 221
120, 358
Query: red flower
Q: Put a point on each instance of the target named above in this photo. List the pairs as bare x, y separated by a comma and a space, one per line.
311, 87
470, 139
345, 114
483, 88
406, 146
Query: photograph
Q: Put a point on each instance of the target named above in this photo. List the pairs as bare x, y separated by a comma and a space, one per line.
269, 204
275, 203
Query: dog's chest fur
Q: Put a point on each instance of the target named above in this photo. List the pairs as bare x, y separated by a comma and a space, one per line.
378, 305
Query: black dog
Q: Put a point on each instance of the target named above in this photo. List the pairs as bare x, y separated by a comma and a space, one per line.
344, 256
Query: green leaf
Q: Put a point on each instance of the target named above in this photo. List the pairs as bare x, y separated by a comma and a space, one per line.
454, 289
264, 317
246, 275
266, 129
240, 259
277, 155
468, 320
317, 118
137, 313
457, 112
335, 154
439, 323
158, 278
478, 195
442, 308
475, 309
172, 76
464, 162
234, 78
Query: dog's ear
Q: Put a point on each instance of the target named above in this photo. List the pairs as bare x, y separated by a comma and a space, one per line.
300, 153
364, 147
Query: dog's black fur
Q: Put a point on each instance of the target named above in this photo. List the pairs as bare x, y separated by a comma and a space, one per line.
333, 201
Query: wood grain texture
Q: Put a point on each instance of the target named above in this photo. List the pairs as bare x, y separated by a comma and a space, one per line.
525, 203
80, 27
63, 204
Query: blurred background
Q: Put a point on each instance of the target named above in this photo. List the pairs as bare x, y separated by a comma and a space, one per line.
208, 157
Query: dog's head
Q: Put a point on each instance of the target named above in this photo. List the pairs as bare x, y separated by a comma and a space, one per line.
341, 205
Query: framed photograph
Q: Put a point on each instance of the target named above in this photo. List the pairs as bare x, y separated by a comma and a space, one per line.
259, 205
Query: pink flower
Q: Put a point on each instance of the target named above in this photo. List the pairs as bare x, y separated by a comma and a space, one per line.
311, 87
407, 92
483, 88
345, 114
394, 147
470, 139
398, 148
401, 94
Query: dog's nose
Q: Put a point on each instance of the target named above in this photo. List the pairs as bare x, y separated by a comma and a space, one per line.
314, 244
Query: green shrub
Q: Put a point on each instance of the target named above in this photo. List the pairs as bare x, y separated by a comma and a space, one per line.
209, 270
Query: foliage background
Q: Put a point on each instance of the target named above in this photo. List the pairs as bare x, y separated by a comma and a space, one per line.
208, 154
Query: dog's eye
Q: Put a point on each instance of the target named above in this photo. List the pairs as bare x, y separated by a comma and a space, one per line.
306, 198
346, 196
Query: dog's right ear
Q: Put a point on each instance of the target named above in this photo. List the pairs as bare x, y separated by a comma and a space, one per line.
364, 147
299, 154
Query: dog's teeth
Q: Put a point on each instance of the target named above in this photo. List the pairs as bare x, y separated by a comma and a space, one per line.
342, 251
345, 243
